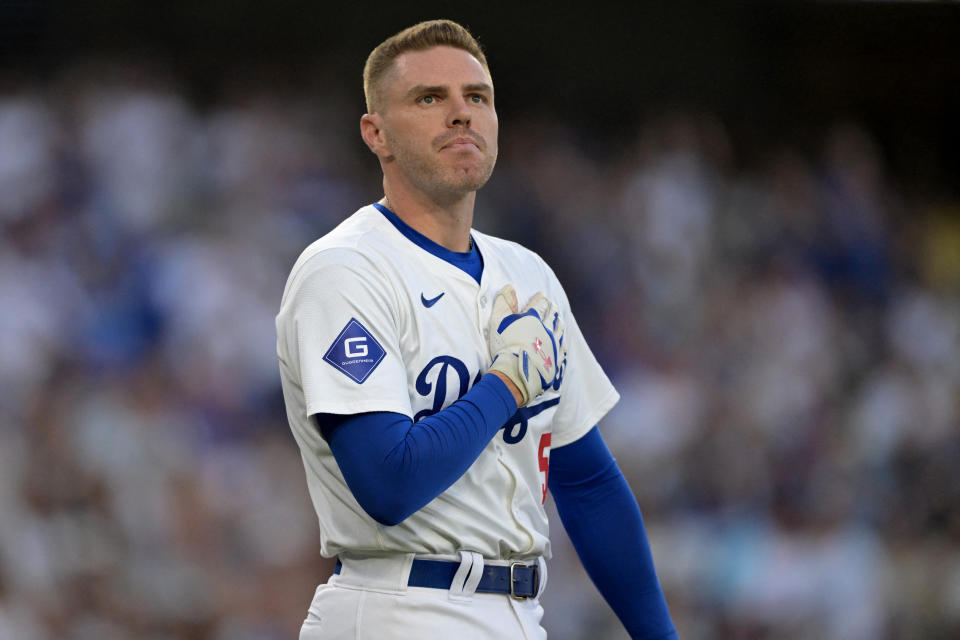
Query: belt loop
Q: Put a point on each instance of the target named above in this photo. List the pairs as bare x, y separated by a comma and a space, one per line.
542, 565
467, 577
476, 573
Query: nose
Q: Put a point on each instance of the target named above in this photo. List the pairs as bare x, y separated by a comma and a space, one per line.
459, 115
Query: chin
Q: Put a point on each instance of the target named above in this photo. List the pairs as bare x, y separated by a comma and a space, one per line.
473, 178
450, 183
474, 184
453, 190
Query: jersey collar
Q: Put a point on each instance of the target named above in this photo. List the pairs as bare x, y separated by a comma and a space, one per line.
470, 262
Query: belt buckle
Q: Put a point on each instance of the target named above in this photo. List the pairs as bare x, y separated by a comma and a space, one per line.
513, 593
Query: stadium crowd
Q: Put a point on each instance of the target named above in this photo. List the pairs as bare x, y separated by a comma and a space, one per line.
785, 334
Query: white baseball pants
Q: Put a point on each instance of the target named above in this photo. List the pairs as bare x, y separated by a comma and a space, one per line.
370, 600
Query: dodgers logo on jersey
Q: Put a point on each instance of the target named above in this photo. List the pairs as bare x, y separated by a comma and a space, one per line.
355, 352
442, 364
443, 367
516, 427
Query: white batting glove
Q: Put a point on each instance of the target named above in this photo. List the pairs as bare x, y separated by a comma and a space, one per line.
526, 346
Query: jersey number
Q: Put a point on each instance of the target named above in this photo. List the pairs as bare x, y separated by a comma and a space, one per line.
543, 454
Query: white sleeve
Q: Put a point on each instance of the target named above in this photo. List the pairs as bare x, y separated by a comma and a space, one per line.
586, 393
339, 325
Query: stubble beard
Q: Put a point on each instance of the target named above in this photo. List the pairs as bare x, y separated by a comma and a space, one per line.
443, 183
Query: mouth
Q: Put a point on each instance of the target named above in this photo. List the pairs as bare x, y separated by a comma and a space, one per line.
462, 143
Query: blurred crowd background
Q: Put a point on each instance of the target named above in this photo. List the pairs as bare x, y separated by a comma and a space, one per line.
780, 312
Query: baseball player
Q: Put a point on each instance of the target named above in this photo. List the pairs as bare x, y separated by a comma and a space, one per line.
438, 386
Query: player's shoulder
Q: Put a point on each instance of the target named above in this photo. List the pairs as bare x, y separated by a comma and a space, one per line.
349, 248
506, 250
511, 256
347, 243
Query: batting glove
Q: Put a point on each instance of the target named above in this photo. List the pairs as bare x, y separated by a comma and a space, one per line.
526, 346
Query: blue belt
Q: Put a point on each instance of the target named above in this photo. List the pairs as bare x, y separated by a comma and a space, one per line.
518, 580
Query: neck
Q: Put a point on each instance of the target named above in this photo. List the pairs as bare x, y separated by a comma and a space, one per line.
446, 223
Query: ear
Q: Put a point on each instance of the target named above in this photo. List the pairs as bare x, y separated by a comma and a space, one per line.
372, 133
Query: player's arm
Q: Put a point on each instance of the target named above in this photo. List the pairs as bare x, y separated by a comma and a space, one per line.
602, 518
394, 466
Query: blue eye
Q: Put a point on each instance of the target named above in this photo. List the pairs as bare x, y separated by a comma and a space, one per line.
427, 99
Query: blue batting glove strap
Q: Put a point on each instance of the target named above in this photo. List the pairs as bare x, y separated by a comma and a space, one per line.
513, 317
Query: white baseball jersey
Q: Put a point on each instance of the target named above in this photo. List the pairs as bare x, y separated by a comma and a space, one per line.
371, 321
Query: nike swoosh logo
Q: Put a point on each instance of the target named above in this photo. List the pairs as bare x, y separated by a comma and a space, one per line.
432, 301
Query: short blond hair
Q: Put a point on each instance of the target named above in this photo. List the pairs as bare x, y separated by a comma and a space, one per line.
419, 37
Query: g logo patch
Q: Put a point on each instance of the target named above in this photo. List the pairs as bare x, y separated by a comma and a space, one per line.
350, 351
355, 353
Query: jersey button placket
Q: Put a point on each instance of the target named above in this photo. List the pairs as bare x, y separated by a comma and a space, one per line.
482, 304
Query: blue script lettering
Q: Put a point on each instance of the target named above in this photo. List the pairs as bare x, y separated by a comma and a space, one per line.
424, 388
516, 427
559, 377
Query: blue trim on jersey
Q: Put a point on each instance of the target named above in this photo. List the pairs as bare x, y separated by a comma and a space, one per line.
470, 262
604, 523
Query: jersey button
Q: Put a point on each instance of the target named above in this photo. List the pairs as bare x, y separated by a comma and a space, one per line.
483, 301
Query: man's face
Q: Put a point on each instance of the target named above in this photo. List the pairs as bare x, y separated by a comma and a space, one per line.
439, 122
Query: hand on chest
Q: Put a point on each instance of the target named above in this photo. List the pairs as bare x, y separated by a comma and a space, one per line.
445, 351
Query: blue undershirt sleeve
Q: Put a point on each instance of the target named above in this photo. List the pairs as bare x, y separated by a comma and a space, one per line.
394, 466
602, 518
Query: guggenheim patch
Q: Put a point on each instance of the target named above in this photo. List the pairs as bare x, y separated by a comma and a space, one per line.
355, 352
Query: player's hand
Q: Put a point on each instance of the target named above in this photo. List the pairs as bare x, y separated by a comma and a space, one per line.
526, 346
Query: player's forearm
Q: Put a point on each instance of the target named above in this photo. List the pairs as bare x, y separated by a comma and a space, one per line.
394, 466
601, 516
